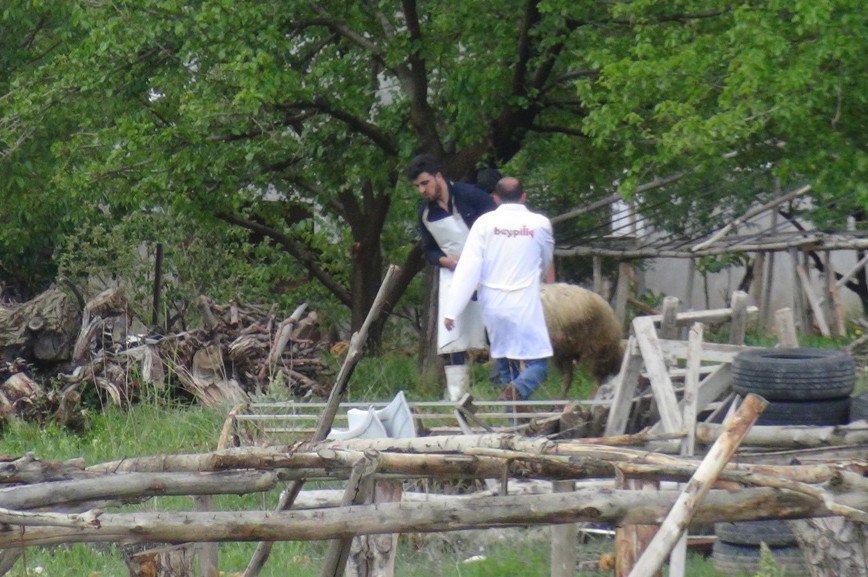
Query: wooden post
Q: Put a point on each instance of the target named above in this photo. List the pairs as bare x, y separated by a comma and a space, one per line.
739, 318
207, 553
598, 276
785, 327
669, 324
691, 277
756, 287
564, 553
833, 297
678, 558
766, 307
631, 540
658, 374
625, 386
360, 488
698, 486
374, 555
622, 291
326, 419
814, 302
799, 307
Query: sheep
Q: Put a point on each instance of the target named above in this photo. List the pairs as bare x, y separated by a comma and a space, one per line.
582, 328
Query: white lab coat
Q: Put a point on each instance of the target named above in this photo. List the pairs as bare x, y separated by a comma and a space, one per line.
506, 254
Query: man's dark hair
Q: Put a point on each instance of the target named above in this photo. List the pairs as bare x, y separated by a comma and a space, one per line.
423, 163
487, 178
509, 189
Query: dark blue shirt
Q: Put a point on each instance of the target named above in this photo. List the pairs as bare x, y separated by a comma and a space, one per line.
470, 201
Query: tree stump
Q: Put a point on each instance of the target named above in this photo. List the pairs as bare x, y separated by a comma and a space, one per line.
169, 561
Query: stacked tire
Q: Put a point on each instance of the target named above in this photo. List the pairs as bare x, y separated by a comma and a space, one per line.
803, 387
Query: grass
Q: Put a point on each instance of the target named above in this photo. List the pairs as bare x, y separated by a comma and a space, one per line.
156, 426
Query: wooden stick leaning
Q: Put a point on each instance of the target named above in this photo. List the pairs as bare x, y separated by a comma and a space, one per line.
698, 487
357, 343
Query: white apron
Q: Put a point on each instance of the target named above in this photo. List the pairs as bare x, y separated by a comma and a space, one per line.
450, 233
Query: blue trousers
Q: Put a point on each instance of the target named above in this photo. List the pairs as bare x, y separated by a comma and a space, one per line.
526, 381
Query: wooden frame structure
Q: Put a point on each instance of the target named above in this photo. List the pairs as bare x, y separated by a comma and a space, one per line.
824, 309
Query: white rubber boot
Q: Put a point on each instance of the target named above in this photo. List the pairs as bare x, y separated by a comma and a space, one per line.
457, 381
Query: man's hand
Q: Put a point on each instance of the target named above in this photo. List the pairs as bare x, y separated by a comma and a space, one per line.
448, 323
449, 262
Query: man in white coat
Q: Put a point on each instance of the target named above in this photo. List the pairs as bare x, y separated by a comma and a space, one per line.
505, 257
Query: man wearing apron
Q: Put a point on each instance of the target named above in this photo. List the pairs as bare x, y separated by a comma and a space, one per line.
507, 254
447, 212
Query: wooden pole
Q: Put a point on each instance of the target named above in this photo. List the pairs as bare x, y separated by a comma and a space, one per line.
357, 343
622, 291
813, 301
359, 491
698, 487
750, 214
158, 282
658, 374
739, 318
564, 553
598, 276
625, 386
691, 278
833, 297
800, 312
632, 539
756, 286
678, 558
612, 507
207, 553
766, 306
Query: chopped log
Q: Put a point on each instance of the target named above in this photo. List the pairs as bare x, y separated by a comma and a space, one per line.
698, 487
109, 302
833, 546
29, 469
612, 507
282, 334
50, 338
168, 561
785, 327
739, 318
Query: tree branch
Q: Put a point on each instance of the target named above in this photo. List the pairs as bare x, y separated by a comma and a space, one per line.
374, 134
298, 251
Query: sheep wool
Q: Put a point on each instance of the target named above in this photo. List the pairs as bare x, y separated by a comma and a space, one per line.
582, 328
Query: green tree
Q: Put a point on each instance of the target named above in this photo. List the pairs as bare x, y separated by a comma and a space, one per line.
293, 119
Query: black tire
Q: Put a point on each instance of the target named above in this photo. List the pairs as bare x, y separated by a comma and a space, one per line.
859, 407
744, 559
772, 532
794, 374
814, 413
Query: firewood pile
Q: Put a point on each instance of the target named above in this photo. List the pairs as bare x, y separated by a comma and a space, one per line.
53, 355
